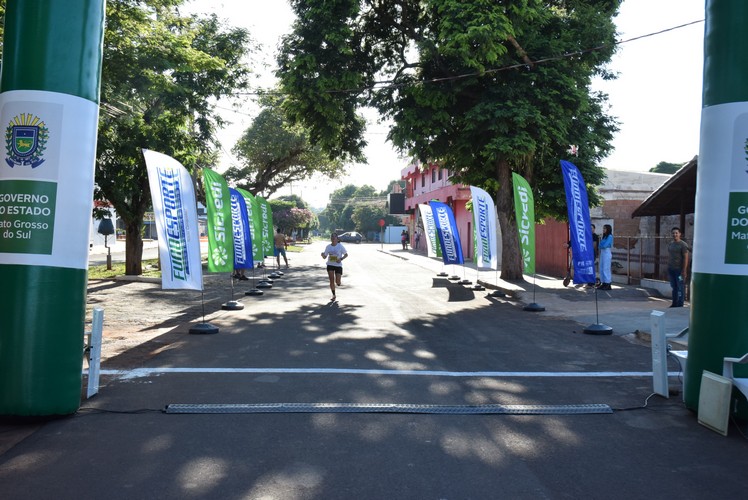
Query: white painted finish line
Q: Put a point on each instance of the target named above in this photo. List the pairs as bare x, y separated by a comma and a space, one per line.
147, 372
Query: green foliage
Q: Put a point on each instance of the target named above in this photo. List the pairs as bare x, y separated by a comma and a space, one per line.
294, 218
2, 25
321, 58
295, 199
339, 212
366, 217
278, 205
666, 168
467, 88
274, 153
290, 212
162, 75
357, 208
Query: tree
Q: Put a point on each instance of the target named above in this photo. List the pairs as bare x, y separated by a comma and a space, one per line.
274, 153
295, 219
666, 168
295, 199
391, 186
334, 212
290, 213
366, 217
2, 25
161, 76
486, 87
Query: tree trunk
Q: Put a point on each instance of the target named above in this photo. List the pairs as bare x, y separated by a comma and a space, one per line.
133, 249
511, 259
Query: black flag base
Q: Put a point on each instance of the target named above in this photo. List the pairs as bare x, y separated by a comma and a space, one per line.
465, 282
497, 293
442, 274
264, 284
533, 307
254, 292
232, 305
598, 329
204, 329
478, 287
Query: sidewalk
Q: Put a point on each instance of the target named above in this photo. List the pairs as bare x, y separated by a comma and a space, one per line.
626, 309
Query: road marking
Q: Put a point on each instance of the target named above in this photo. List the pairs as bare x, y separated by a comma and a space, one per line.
147, 372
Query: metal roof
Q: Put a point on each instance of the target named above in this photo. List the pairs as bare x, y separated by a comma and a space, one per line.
676, 196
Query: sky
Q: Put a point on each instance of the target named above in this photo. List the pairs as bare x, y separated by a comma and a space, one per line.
656, 97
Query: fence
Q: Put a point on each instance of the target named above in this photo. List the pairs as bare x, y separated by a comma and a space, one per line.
634, 257
642, 257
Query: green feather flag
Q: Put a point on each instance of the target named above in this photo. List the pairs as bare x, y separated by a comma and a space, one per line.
220, 235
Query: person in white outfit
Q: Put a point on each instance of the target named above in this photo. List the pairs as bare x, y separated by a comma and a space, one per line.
335, 254
606, 257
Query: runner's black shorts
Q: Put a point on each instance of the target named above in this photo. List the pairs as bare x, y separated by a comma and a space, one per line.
335, 269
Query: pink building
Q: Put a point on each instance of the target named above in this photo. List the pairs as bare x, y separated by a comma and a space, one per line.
424, 183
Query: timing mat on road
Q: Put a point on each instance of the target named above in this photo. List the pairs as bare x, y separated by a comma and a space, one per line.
490, 409
148, 372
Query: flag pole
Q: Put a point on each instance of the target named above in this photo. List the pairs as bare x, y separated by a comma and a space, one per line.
443, 273
497, 292
253, 291
232, 305
534, 306
464, 280
477, 285
598, 328
203, 328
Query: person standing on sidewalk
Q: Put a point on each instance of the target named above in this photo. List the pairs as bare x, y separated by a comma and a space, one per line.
606, 257
335, 254
279, 241
677, 266
596, 250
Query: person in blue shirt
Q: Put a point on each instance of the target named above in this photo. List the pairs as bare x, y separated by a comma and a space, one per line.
606, 257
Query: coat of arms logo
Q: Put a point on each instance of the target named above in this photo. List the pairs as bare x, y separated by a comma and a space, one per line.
25, 141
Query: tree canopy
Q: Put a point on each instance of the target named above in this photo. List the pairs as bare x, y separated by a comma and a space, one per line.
486, 87
665, 167
291, 213
274, 153
162, 75
356, 208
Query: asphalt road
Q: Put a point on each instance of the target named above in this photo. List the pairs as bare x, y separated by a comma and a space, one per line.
98, 254
402, 341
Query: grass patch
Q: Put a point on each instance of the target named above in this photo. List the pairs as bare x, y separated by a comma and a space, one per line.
100, 272
150, 267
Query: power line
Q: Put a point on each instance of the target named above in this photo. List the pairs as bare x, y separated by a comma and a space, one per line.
389, 84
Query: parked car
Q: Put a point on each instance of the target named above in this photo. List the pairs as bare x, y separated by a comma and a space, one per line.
351, 237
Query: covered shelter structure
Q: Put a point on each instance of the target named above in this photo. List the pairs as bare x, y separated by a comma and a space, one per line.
676, 197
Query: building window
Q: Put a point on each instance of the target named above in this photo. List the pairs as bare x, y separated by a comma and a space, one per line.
433, 175
440, 174
423, 179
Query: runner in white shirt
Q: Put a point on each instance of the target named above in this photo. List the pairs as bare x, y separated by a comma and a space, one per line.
335, 254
